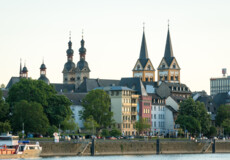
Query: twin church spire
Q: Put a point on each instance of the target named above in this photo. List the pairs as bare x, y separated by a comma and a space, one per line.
168, 69
75, 74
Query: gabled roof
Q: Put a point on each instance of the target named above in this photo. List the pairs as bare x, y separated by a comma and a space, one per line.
12, 81
75, 98
134, 83
90, 84
59, 87
168, 56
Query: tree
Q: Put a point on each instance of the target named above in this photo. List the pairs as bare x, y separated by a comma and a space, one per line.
189, 123
91, 124
141, 125
56, 107
97, 104
115, 132
31, 115
5, 127
223, 113
69, 125
4, 109
105, 132
226, 125
212, 132
51, 130
58, 110
189, 108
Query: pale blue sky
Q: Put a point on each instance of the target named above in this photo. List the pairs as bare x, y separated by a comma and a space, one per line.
33, 29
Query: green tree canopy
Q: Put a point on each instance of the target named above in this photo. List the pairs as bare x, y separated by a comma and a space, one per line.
91, 124
189, 108
56, 107
4, 109
32, 115
141, 125
189, 123
5, 127
223, 113
70, 125
226, 125
58, 110
97, 104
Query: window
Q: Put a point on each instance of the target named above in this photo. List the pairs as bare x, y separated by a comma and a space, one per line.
149, 67
154, 108
155, 124
174, 65
155, 116
163, 65
138, 67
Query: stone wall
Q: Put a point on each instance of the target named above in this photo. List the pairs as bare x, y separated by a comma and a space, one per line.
132, 147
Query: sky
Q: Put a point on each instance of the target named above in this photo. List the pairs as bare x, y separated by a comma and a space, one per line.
33, 30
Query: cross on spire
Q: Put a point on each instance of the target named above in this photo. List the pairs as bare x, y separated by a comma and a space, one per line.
69, 35
143, 26
82, 33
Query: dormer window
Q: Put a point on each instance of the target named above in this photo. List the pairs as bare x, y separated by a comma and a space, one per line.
138, 67
174, 65
149, 67
163, 65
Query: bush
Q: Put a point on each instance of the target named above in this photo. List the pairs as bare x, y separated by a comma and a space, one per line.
115, 132
51, 130
105, 133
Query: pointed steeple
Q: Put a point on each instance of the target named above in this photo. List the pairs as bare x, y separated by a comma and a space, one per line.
20, 71
144, 51
168, 49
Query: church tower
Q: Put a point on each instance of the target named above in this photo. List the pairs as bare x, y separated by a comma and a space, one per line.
169, 70
82, 70
143, 67
24, 72
69, 67
43, 74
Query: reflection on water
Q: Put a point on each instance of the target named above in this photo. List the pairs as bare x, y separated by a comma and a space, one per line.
149, 157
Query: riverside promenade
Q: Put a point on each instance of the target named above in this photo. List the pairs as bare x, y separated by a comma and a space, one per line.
133, 147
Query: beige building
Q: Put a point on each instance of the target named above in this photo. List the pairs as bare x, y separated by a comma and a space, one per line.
124, 108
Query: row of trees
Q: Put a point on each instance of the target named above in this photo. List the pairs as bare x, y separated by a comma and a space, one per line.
36, 106
194, 117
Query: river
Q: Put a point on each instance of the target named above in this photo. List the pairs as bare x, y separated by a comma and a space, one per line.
148, 157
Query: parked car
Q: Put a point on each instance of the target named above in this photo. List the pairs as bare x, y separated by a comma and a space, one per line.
111, 138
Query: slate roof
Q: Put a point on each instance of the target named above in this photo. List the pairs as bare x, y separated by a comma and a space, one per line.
144, 51
221, 98
134, 83
90, 84
75, 98
82, 64
168, 56
117, 88
69, 65
59, 87
44, 78
12, 81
